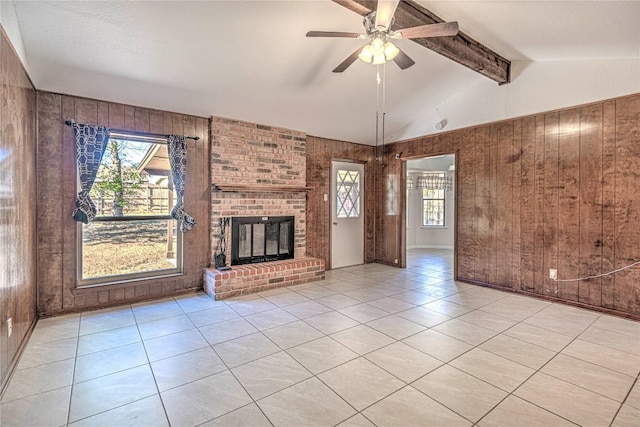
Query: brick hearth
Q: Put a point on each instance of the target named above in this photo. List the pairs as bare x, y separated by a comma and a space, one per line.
250, 278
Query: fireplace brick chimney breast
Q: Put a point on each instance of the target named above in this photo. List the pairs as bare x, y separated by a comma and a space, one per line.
262, 156
259, 171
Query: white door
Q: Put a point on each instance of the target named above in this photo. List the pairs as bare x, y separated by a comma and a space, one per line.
347, 214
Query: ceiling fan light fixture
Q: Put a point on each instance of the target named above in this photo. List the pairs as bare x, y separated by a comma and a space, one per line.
390, 51
377, 46
366, 55
379, 59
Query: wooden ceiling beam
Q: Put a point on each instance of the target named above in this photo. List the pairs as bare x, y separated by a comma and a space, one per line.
460, 48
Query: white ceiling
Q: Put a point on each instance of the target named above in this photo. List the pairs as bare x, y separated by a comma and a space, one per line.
250, 60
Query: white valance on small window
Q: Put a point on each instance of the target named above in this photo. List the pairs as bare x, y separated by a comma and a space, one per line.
434, 181
410, 183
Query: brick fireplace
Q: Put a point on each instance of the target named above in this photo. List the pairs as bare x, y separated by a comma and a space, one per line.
258, 171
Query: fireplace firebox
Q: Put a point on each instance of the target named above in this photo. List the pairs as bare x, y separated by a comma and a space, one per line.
262, 239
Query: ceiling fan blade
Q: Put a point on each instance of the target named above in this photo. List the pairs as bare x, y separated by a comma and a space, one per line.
347, 62
430, 30
332, 34
384, 13
403, 61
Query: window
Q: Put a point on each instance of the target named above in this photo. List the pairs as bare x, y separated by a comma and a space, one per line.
433, 204
348, 194
133, 234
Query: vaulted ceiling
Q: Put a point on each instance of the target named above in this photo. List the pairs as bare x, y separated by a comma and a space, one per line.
250, 60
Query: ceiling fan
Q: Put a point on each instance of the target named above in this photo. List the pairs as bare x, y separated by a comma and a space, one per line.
377, 25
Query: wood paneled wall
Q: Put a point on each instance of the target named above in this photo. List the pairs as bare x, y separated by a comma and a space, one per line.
17, 206
551, 190
390, 227
57, 179
320, 153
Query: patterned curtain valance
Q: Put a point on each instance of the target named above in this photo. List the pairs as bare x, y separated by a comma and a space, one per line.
91, 143
177, 148
410, 183
434, 181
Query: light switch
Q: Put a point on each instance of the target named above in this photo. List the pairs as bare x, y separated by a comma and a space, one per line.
325, 197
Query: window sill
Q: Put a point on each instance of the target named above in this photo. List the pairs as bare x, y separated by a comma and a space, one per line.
434, 227
123, 283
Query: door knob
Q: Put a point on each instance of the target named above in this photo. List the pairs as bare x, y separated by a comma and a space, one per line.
335, 223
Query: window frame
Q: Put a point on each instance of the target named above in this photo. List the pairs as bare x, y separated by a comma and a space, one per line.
178, 270
357, 205
442, 199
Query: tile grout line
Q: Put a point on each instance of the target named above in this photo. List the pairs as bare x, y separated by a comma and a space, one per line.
406, 384
360, 356
73, 375
164, 409
312, 375
480, 379
324, 335
624, 400
253, 401
539, 370
123, 370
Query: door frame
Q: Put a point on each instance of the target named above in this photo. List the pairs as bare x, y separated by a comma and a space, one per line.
402, 238
363, 198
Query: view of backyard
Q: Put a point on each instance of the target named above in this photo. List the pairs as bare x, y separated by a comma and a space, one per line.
113, 248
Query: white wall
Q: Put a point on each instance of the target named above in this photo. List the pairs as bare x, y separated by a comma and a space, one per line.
9, 21
535, 87
429, 237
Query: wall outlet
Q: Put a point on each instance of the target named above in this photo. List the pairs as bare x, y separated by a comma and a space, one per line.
325, 197
395, 260
553, 273
9, 327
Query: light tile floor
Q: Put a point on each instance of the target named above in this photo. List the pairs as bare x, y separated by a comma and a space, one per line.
370, 345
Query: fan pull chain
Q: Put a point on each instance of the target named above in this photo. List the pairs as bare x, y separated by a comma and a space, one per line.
384, 101
378, 80
376, 149
380, 104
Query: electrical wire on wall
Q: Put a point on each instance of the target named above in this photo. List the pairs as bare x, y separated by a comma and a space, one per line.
609, 273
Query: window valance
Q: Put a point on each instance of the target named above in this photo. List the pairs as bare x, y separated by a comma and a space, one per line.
91, 143
434, 181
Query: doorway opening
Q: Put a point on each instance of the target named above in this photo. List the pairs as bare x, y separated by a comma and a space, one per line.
430, 212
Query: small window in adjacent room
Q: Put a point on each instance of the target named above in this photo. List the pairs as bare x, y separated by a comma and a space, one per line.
433, 204
133, 235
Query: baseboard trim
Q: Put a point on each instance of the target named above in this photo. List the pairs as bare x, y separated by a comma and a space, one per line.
119, 303
16, 358
605, 310
429, 247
